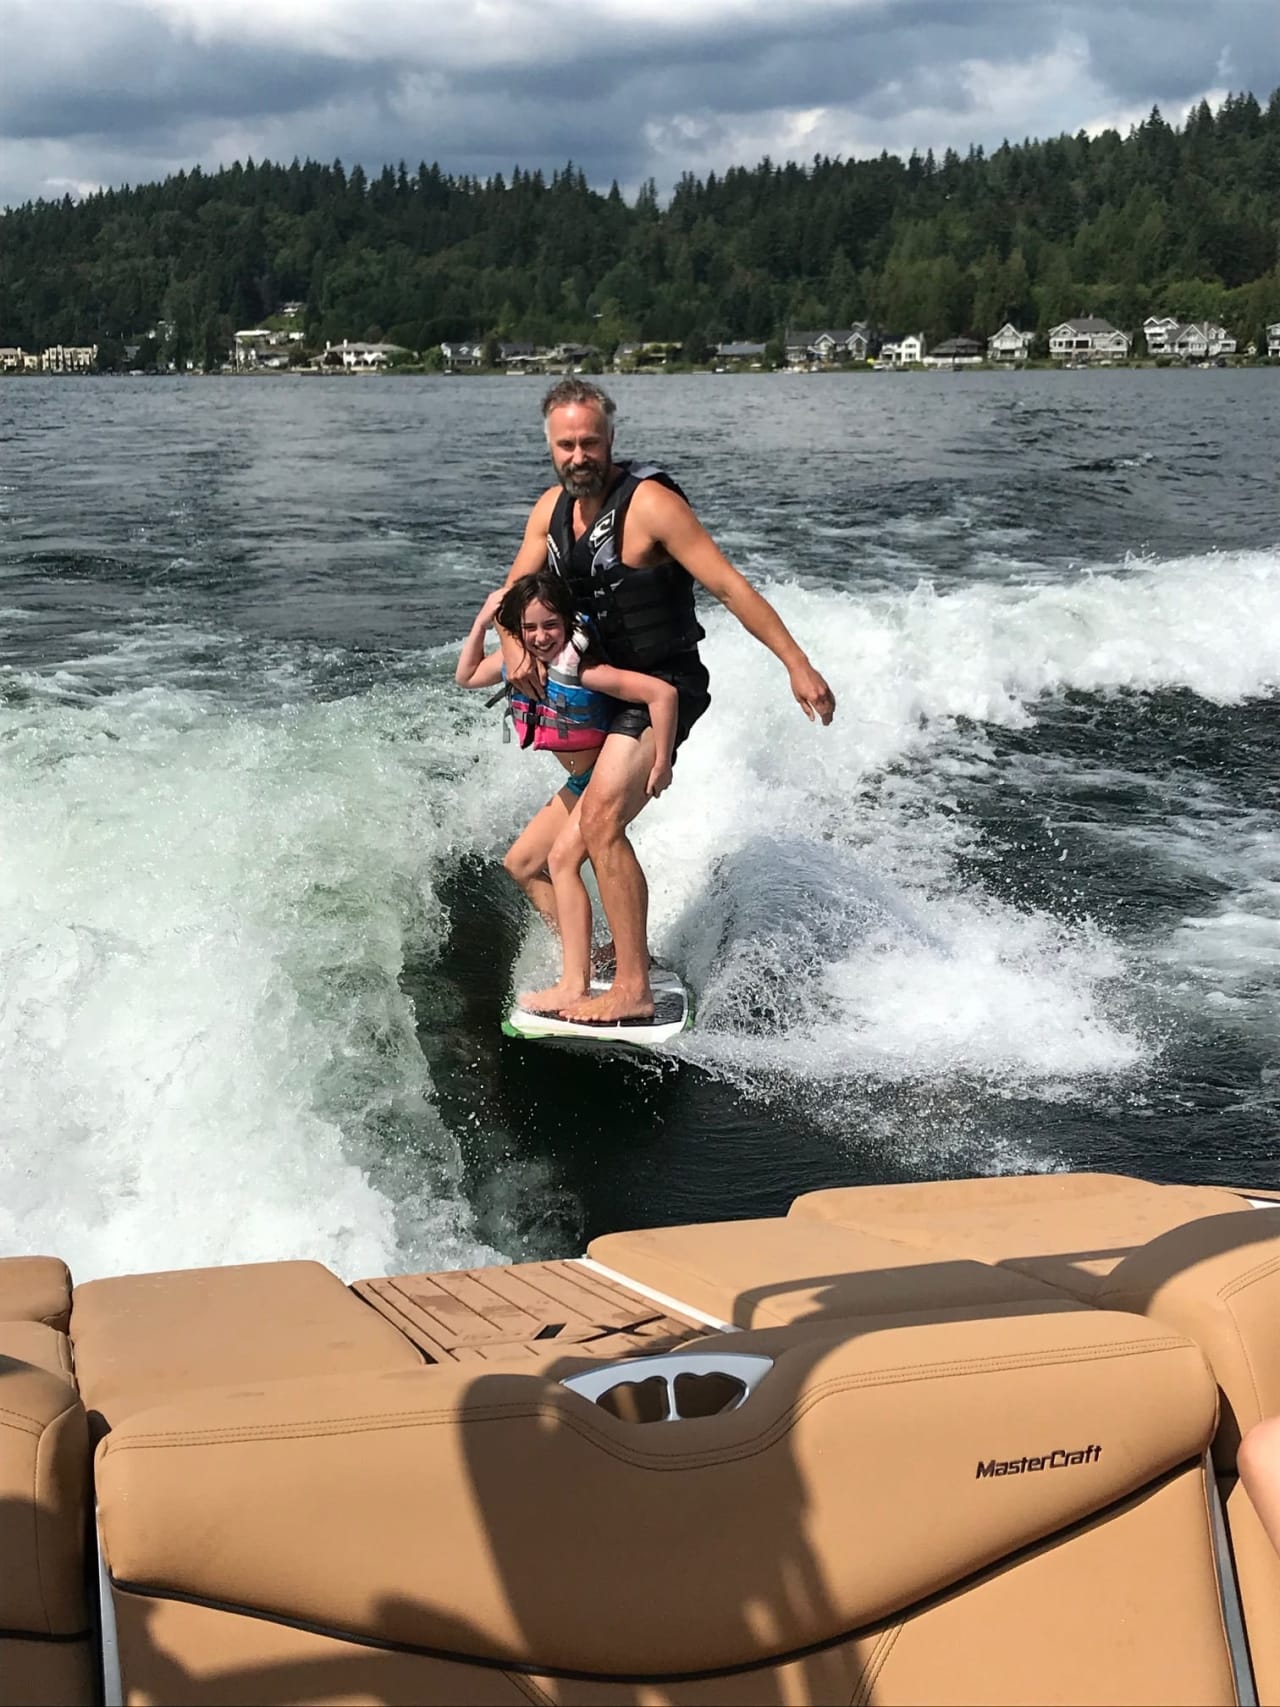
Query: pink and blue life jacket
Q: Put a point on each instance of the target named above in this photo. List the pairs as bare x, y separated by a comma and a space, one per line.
571, 719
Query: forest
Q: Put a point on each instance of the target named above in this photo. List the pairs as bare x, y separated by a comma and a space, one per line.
1183, 220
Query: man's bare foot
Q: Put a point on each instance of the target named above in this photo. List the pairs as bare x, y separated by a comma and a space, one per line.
550, 1000
604, 959
610, 1008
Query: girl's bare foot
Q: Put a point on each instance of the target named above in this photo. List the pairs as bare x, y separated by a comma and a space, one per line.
550, 1000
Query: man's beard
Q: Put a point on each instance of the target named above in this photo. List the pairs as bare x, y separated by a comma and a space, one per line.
584, 482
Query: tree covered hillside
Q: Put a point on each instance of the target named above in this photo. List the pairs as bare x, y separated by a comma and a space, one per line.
1182, 221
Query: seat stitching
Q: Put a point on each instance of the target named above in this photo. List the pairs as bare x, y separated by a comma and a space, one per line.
635, 1456
875, 1665
1260, 1271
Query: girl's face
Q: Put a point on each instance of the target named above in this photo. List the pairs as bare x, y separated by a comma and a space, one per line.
542, 630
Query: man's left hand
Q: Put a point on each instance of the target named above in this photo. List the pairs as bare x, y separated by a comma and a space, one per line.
812, 694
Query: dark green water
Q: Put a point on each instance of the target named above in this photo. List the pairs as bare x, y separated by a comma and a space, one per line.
1019, 908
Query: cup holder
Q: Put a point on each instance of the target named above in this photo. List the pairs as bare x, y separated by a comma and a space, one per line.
638, 1401
676, 1388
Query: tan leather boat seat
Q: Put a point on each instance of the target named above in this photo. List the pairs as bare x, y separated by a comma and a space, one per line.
1069, 1230
926, 1513
148, 1338
42, 1347
45, 1502
1218, 1282
35, 1289
751, 1274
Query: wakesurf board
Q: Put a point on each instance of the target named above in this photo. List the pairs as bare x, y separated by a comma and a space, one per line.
672, 1014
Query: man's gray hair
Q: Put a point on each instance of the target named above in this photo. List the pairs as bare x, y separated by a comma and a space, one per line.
579, 391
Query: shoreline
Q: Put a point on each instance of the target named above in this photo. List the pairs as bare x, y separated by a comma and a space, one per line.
414, 370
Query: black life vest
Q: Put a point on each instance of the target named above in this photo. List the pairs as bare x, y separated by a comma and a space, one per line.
640, 618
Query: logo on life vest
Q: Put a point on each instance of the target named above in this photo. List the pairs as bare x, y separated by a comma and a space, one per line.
601, 530
1059, 1459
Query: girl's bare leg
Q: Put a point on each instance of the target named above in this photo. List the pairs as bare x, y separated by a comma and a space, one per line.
573, 910
526, 858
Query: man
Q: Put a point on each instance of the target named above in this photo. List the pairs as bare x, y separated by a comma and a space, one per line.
630, 548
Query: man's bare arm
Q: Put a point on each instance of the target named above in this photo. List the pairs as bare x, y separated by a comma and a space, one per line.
523, 672
674, 525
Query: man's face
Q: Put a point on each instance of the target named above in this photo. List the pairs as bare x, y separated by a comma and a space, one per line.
579, 439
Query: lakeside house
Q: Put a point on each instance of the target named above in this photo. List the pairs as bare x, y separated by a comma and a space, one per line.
827, 345
520, 358
1192, 340
1088, 340
259, 346
463, 352
58, 358
1156, 331
902, 352
1273, 339
650, 354
1009, 344
359, 357
741, 352
1199, 340
955, 352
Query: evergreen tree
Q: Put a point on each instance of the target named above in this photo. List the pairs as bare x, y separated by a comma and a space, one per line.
1164, 219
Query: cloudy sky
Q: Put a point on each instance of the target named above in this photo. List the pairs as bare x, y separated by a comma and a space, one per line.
97, 92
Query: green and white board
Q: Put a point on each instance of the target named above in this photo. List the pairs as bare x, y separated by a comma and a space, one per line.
671, 1015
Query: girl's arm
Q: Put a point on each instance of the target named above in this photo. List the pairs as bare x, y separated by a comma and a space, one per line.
475, 670
662, 701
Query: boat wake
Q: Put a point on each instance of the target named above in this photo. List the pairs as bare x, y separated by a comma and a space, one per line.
208, 1050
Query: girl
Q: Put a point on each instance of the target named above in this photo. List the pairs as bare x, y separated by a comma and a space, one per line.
546, 859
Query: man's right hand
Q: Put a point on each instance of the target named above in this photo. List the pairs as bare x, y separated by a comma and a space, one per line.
524, 673
811, 692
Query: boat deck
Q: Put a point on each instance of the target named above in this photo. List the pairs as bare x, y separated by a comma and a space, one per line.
523, 1311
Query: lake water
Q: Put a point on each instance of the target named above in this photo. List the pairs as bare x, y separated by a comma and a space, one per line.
1017, 909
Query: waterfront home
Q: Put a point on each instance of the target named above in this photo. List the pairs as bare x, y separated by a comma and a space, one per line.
1088, 340
521, 358
1273, 339
827, 345
573, 357
1156, 330
260, 346
955, 352
1009, 345
652, 354
69, 358
911, 350
1201, 339
467, 352
12, 359
740, 352
360, 357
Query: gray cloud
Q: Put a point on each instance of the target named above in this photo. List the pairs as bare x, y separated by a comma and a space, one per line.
131, 89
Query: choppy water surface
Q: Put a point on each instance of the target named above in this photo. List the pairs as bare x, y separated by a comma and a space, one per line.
1019, 908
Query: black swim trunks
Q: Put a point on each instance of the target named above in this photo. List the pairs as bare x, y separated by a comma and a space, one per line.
688, 676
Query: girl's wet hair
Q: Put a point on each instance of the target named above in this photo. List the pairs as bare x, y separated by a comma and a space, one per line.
548, 587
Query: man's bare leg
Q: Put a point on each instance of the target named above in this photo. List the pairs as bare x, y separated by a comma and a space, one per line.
613, 798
